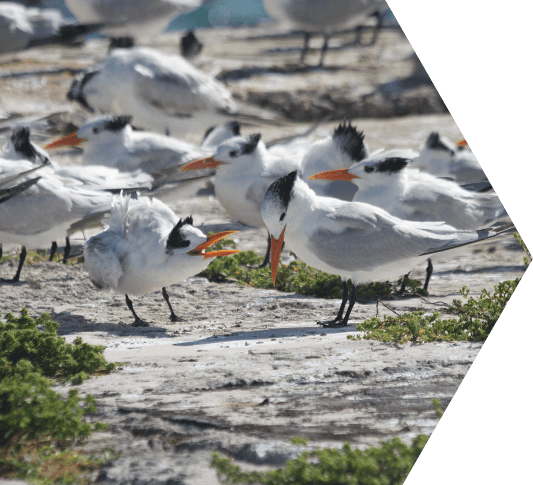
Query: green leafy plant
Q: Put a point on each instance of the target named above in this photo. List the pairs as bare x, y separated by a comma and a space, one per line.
387, 464
296, 277
38, 425
34, 257
37, 342
527, 257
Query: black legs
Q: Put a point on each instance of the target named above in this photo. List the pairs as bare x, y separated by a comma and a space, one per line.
173, 317
53, 250
22, 258
305, 47
324, 50
429, 272
266, 261
349, 297
138, 322
67, 250
141, 323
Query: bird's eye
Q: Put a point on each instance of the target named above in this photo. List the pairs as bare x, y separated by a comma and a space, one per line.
95, 131
282, 217
184, 244
233, 153
369, 169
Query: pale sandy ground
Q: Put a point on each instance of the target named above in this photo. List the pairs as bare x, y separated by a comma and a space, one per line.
248, 369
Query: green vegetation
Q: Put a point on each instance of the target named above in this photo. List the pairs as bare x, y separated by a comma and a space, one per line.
21, 338
34, 257
387, 464
474, 319
37, 425
296, 277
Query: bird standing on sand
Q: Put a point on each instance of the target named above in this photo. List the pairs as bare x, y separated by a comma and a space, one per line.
387, 181
320, 15
245, 169
145, 248
132, 18
357, 241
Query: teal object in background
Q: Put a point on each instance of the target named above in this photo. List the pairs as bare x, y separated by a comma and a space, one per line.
219, 13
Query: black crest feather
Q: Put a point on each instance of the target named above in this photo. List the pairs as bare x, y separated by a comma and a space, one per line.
351, 141
117, 123
434, 141
234, 127
392, 165
282, 188
176, 239
251, 144
21, 142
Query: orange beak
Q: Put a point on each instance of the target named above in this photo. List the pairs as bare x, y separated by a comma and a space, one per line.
69, 140
201, 164
275, 252
197, 251
462, 143
334, 175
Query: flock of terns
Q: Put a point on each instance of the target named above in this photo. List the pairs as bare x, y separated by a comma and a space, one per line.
339, 207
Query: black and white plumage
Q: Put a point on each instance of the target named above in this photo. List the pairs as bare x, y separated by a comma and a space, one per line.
145, 248
161, 92
357, 241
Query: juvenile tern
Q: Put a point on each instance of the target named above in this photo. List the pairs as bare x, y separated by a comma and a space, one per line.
321, 15
245, 169
357, 241
161, 92
144, 248
133, 18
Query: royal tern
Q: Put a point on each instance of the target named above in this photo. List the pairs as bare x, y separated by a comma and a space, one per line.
440, 157
323, 16
45, 211
22, 28
133, 18
245, 169
161, 92
112, 141
144, 248
387, 181
355, 240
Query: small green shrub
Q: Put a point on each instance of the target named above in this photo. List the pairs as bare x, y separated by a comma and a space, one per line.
30, 407
34, 257
296, 277
21, 338
387, 464
527, 257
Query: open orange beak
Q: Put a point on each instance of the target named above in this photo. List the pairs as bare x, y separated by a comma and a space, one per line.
201, 164
462, 143
197, 251
334, 175
69, 140
275, 251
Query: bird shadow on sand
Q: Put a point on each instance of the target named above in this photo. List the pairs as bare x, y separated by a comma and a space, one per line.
261, 336
71, 323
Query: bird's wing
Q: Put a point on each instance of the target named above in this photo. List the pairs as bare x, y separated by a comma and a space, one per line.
363, 237
178, 94
102, 261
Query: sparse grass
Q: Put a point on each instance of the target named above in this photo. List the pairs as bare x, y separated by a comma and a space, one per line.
296, 277
474, 320
34, 257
